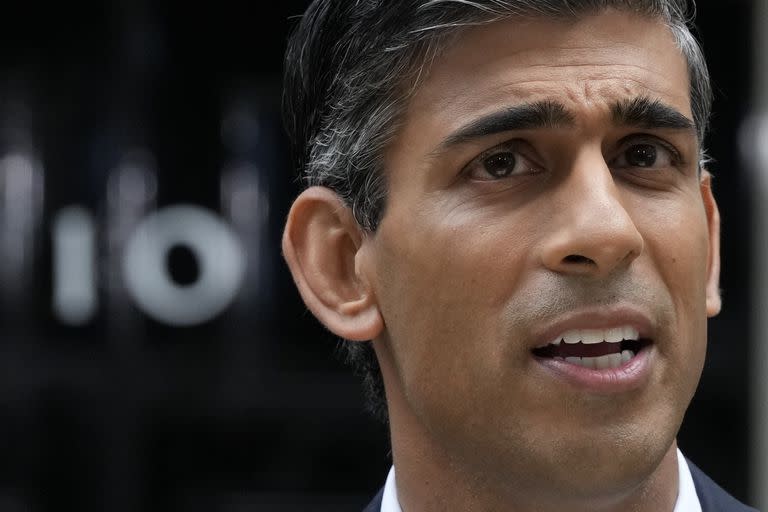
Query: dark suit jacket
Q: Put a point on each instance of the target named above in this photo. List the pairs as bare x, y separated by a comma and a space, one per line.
711, 496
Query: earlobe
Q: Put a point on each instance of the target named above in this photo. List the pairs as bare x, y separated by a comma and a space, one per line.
713, 299
322, 244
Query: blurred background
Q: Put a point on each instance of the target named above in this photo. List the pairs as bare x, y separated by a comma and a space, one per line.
154, 354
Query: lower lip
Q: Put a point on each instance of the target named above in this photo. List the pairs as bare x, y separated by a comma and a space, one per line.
627, 377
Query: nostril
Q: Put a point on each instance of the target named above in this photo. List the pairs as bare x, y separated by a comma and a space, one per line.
576, 258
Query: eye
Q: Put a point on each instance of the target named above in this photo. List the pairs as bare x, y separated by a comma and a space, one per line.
646, 154
499, 163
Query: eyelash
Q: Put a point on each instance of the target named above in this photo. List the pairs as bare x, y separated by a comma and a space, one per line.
510, 146
513, 146
633, 140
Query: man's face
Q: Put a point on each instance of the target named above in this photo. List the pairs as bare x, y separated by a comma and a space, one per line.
574, 211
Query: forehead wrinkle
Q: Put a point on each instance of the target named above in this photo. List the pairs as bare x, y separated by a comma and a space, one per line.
564, 48
467, 98
573, 96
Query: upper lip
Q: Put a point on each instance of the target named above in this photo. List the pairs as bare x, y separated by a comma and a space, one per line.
602, 317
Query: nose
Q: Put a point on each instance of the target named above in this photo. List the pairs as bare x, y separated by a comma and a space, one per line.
592, 233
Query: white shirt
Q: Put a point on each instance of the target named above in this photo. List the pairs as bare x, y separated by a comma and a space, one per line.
687, 500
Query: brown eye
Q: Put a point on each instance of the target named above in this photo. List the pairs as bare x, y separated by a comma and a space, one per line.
506, 160
646, 155
641, 155
500, 165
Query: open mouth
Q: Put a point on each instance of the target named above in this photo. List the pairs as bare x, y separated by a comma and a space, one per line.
595, 348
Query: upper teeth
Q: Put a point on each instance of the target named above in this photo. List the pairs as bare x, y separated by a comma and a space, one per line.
587, 336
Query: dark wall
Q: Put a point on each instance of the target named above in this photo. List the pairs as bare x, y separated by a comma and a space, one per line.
715, 432
126, 109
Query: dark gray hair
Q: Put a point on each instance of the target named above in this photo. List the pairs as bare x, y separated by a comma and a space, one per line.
351, 66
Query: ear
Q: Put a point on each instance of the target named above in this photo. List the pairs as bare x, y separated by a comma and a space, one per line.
714, 301
322, 245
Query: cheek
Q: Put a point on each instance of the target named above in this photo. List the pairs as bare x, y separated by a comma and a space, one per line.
443, 282
678, 243
677, 246
676, 236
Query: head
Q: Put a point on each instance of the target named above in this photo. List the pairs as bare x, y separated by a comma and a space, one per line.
486, 177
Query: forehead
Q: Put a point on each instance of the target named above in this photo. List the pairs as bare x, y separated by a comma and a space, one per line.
586, 63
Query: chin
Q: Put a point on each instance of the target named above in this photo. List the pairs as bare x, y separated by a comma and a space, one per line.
592, 460
609, 461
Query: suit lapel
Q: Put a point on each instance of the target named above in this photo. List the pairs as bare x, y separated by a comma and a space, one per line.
712, 497
375, 504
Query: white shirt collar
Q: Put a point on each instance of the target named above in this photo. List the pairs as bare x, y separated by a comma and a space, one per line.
687, 499
389, 501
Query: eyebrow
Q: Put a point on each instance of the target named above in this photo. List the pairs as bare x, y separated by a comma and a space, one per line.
642, 112
526, 116
645, 112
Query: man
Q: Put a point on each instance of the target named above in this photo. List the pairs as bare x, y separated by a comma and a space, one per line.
507, 197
